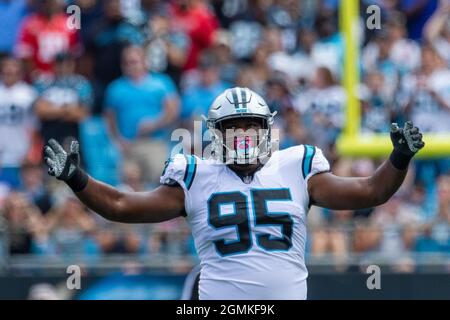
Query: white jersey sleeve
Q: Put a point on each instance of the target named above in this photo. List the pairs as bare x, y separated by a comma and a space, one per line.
174, 171
180, 169
314, 162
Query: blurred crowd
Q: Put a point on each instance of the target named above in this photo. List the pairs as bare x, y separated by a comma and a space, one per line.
135, 70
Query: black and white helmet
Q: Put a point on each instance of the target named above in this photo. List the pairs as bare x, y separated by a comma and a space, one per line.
240, 103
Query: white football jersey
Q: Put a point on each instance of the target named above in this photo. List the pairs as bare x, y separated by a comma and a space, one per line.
251, 236
16, 122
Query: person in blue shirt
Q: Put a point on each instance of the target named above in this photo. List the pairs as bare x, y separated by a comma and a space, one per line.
197, 98
11, 16
140, 108
104, 38
417, 13
167, 80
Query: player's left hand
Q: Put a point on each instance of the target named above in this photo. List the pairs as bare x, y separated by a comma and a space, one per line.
407, 140
62, 165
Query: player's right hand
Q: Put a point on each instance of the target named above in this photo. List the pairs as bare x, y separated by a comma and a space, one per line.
407, 140
61, 164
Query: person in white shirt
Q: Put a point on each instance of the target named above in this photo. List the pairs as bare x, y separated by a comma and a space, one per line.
17, 123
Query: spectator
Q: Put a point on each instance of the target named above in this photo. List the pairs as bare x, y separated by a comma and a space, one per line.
132, 177
396, 221
417, 13
405, 53
427, 93
256, 74
228, 67
444, 197
278, 93
11, 16
376, 57
332, 238
115, 240
279, 60
104, 44
197, 98
70, 226
34, 187
90, 11
24, 224
245, 23
302, 65
64, 101
166, 47
194, 19
437, 30
106, 240
140, 109
285, 16
131, 243
376, 105
392, 53
328, 50
436, 234
17, 124
426, 242
43, 36
322, 106
366, 237
288, 123
424, 97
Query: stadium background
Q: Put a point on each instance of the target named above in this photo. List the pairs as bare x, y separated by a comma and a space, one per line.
57, 82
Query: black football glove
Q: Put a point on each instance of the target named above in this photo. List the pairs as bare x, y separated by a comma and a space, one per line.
65, 166
407, 142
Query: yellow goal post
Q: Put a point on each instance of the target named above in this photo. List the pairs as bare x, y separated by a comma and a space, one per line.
353, 143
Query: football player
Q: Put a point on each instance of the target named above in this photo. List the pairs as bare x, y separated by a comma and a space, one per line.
247, 204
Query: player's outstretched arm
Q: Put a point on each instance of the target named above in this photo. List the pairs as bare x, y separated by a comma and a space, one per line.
163, 203
347, 193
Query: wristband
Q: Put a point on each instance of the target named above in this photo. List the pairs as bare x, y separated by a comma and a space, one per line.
78, 181
400, 160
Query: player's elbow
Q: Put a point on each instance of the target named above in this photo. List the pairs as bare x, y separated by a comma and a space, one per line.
380, 197
117, 210
377, 195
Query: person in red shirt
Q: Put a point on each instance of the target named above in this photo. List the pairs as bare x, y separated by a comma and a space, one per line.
195, 19
45, 34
